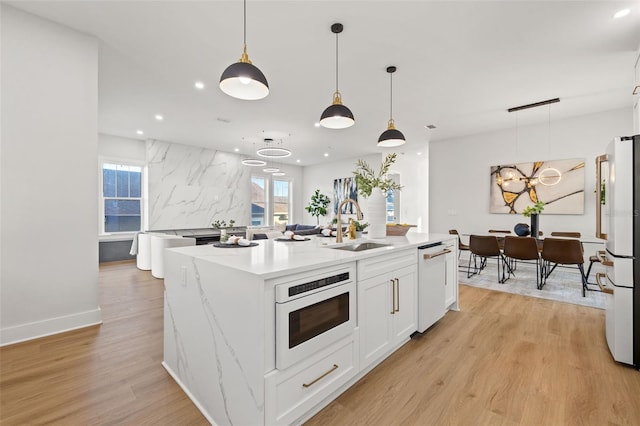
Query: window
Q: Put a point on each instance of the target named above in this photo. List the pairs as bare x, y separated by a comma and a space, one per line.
280, 202
121, 204
258, 200
270, 201
393, 201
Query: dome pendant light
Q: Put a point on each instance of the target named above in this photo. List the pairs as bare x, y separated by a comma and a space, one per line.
243, 80
337, 116
392, 136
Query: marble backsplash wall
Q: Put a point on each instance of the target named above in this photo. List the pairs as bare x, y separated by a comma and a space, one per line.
190, 187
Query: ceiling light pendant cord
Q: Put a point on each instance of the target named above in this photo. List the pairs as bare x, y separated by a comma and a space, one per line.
245, 23
391, 98
549, 133
337, 63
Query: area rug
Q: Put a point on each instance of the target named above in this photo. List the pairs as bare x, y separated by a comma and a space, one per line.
563, 285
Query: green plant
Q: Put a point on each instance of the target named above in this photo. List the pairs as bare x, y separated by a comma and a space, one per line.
222, 223
537, 208
360, 226
367, 179
318, 205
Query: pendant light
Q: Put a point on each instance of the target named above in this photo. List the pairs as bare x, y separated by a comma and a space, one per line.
337, 116
392, 136
243, 80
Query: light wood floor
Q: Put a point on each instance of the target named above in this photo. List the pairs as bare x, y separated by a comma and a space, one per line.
504, 359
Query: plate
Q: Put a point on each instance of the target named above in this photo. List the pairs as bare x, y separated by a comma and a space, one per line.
224, 245
291, 240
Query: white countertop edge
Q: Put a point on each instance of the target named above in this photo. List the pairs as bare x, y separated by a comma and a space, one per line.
301, 256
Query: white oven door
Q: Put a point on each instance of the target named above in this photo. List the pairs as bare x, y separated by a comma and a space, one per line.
308, 324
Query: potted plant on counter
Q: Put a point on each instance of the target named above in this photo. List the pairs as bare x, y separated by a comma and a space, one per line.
318, 205
375, 186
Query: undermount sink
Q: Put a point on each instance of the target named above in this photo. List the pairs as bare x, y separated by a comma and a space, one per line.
360, 246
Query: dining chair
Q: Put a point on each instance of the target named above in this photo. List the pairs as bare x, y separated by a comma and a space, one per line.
561, 251
522, 248
461, 246
484, 247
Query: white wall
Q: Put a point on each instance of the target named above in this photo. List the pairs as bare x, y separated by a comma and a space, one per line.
49, 178
116, 147
412, 167
321, 176
459, 170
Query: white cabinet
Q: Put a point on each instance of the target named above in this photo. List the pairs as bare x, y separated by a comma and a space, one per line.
387, 308
451, 278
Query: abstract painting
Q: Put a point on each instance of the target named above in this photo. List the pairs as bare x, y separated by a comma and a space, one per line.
342, 189
558, 183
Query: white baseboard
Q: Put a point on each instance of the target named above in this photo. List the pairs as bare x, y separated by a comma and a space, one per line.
37, 329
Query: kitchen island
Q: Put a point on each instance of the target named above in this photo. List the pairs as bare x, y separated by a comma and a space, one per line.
240, 332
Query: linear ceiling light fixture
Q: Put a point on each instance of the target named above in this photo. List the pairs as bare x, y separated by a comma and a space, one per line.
392, 136
243, 80
337, 116
536, 104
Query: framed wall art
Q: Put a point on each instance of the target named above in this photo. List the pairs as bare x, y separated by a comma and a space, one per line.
342, 189
558, 183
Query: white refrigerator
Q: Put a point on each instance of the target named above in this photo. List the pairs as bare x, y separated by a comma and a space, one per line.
620, 214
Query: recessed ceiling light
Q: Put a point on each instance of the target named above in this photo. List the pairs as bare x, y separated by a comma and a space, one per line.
326, 154
140, 132
298, 160
198, 85
278, 174
236, 149
419, 153
316, 124
159, 117
621, 13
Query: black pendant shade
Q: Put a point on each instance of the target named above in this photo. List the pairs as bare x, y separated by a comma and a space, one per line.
392, 136
336, 115
243, 80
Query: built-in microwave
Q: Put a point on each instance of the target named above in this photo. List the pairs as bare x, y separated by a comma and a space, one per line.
312, 313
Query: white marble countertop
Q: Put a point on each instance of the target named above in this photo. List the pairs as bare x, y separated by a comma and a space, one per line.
273, 258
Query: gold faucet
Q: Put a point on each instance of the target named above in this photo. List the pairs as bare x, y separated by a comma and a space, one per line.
359, 215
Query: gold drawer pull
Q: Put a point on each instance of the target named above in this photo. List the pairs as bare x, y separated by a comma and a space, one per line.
334, 368
440, 253
603, 288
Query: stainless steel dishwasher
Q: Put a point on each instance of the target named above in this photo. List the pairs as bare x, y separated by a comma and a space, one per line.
431, 284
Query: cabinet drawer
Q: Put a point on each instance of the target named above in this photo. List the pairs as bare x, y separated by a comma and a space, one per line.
379, 265
293, 392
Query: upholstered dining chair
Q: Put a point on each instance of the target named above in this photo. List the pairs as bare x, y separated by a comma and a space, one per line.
461, 246
522, 248
559, 251
484, 247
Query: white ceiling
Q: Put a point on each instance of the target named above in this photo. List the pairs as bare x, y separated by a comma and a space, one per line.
460, 66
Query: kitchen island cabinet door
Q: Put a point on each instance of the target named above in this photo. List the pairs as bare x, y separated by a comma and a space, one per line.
387, 313
374, 315
405, 317
451, 279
